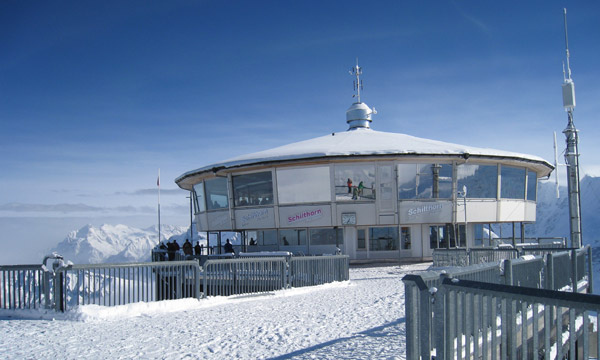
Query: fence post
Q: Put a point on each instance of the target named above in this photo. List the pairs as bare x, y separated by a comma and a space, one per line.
205, 285
46, 284
590, 271
549, 271
288, 270
58, 291
508, 274
197, 280
574, 269
418, 318
439, 319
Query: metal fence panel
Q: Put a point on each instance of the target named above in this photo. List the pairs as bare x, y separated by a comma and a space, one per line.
119, 284
22, 287
486, 325
524, 272
525, 315
316, 270
450, 257
243, 276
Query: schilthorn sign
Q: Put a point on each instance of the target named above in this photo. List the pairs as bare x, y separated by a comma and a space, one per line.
308, 215
425, 209
254, 216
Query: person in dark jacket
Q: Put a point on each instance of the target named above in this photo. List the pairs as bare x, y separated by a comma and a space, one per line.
198, 248
171, 251
187, 247
228, 247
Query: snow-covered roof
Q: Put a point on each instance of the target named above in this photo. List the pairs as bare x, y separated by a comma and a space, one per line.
365, 142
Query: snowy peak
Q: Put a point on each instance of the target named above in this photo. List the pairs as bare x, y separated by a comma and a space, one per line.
113, 243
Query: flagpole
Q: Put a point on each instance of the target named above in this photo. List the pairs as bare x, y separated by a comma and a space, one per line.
158, 184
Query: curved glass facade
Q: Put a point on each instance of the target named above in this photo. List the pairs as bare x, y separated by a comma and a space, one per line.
216, 193
512, 185
424, 181
481, 181
531, 185
303, 185
253, 189
355, 182
311, 187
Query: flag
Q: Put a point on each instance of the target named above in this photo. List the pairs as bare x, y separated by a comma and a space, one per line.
158, 181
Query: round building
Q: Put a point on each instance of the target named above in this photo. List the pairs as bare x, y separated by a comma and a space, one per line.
366, 193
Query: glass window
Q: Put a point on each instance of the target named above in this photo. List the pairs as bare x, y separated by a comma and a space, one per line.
303, 185
262, 237
253, 189
200, 203
292, 237
434, 236
326, 237
484, 235
362, 243
478, 229
424, 181
481, 181
450, 230
405, 238
216, 193
355, 182
532, 185
443, 236
512, 182
383, 238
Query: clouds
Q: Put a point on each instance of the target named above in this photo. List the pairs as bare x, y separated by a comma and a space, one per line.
145, 192
26, 209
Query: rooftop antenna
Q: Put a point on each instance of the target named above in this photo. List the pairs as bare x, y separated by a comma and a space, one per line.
357, 71
572, 152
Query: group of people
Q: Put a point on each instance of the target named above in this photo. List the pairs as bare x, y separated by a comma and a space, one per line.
172, 247
356, 191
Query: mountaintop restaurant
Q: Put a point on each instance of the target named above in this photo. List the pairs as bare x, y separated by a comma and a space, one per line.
365, 193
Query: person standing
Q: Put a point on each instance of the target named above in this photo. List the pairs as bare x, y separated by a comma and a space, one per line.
187, 247
349, 183
228, 247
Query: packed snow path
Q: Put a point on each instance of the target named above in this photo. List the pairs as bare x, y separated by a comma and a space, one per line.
358, 319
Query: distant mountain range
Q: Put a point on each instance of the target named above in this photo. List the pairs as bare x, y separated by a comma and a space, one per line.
115, 243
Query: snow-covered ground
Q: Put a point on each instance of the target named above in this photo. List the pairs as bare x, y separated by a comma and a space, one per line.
358, 319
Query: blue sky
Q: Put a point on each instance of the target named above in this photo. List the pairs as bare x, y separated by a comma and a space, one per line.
95, 97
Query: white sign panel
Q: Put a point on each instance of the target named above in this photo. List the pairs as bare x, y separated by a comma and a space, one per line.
219, 220
300, 216
255, 218
417, 212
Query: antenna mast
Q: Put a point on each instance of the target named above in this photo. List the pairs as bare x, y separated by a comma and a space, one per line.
357, 71
572, 152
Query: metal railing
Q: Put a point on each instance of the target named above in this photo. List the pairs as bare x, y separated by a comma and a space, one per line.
242, 276
485, 255
451, 257
480, 255
22, 286
64, 285
316, 270
524, 272
119, 284
501, 321
423, 289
